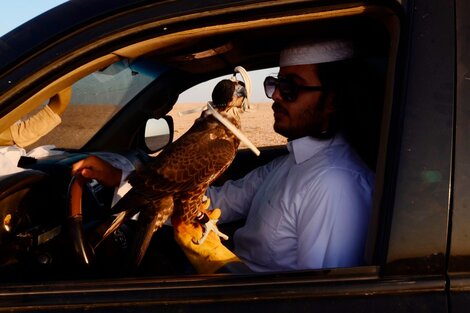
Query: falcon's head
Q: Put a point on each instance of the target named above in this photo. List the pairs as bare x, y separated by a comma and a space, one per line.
228, 94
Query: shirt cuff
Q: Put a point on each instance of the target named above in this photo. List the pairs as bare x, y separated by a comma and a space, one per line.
123, 188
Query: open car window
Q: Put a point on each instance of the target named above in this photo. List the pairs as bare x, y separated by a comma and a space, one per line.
257, 122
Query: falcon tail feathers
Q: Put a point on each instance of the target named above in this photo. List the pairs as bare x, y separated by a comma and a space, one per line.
152, 217
116, 223
127, 207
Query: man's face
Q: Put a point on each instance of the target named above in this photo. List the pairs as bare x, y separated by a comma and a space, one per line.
304, 116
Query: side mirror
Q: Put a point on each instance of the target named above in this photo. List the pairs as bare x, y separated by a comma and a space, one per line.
158, 133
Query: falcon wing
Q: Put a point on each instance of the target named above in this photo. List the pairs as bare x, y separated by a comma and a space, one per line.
198, 157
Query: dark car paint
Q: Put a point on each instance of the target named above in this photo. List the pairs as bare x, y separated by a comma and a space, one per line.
421, 202
459, 248
413, 251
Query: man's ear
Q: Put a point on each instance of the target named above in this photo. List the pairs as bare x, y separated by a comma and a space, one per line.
329, 109
329, 115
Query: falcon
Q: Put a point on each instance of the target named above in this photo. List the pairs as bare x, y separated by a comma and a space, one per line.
175, 181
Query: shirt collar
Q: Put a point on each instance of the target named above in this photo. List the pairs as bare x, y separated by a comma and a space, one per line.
306, 147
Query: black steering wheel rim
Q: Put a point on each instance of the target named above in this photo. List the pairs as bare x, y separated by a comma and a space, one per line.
82, 248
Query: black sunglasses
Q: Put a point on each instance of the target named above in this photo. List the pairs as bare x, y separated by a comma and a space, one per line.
288, 89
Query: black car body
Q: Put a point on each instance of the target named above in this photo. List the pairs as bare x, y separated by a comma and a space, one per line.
418, 249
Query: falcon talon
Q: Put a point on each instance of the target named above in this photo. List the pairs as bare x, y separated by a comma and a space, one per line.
216, 230
208, 225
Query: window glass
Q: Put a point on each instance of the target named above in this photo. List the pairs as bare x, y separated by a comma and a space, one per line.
95, 100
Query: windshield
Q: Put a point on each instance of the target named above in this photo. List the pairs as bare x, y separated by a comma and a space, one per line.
95, 99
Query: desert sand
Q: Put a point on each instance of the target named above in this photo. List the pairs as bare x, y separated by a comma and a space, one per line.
80, 122
257, 123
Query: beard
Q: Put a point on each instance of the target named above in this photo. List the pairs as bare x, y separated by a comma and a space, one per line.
319, 121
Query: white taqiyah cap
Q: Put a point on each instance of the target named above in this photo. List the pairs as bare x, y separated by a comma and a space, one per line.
314, 52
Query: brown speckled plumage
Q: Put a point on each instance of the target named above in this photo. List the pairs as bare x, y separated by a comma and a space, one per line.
175, 181
181, 173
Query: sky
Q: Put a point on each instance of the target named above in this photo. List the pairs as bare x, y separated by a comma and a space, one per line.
16, 12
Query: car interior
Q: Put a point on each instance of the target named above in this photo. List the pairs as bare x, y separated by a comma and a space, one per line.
162, 65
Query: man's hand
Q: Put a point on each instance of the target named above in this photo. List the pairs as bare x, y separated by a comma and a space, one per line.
93, 167
208, 257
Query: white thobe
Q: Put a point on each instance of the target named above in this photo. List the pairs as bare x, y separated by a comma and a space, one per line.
309, 209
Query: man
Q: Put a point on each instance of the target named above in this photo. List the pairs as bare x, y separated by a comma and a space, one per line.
309, 209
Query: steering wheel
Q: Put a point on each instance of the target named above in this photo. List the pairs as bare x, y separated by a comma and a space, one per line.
82, 248
33, 227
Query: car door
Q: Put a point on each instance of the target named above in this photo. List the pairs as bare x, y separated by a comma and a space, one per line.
406, 268
459, 259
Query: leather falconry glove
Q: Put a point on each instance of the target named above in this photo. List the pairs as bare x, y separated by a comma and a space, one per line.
211, 255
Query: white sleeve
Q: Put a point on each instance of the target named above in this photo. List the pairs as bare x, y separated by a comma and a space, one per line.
126, 166
234, 197
123, 188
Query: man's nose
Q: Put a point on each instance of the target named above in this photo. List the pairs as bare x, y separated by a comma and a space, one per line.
276, 95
